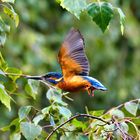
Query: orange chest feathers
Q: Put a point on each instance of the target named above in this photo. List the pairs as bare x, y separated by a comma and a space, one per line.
73, 84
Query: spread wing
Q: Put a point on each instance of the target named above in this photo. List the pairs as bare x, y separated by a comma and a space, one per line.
71, 57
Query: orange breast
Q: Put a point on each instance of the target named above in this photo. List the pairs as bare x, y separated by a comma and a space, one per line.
73, 84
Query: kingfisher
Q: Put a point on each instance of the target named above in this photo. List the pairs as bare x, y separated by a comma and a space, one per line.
75, 67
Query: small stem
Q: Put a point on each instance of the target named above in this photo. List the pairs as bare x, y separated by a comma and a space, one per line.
121, 105
46, 126
76, 116
14, 74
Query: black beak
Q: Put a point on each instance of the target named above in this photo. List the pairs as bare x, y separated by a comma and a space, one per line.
34, 77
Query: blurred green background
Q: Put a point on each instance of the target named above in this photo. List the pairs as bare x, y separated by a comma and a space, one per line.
114, 59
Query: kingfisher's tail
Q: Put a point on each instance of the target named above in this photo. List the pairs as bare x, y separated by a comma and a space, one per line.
95, 83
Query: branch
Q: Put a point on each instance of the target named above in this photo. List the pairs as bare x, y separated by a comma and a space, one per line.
121, 105
76, 116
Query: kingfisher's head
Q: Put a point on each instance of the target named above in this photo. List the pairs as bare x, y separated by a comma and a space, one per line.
52, 77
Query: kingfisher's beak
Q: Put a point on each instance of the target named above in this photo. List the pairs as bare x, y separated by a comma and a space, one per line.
34, 77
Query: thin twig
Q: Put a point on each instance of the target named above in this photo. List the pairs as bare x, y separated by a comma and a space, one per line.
121, 105
47, 126
14, 74
76, 116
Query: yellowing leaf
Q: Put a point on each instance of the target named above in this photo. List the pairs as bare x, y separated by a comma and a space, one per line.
122, 19
11, 13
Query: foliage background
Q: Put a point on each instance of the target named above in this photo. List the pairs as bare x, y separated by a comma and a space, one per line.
114, 59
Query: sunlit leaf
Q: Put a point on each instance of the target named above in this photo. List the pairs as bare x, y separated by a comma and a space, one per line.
46, 110
110, 127
4, 97
38, 118
74, 6
122, 19
97, 113
30, 131
32, 88
118, 113
65, 112
23, 112
2, 39
101, 13
15, 136
78, 124
12, 14
3, 64
52, 95
131, 107
11, 1
13, 73
2, 73
124, 127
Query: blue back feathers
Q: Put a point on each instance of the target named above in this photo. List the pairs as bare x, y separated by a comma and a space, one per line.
95, 83
52, 76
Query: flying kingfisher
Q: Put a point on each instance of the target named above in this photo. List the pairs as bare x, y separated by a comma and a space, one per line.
75, 67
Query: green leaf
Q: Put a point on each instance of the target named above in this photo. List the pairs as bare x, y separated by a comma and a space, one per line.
118, 113
12, 14
124, 127
74, 6
23, 112
52, 121
13, 126
110, 127
101, 13
136, 121
15, 136
4, 29
97, 113
30, 131
2, 39
32, 88
11, 1
46, 110
78, 124
4, 97
38, 118
131, 107
13, 73
65, 112
3, 64
122, 19
2, 73
54, 96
